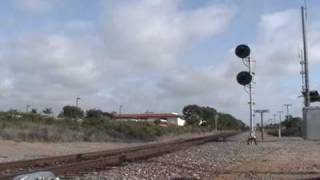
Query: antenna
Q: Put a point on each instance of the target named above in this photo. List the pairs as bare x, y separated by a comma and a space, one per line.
305, 58
300, 55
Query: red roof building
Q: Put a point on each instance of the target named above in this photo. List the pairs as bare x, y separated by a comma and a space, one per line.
145, 116
169, 118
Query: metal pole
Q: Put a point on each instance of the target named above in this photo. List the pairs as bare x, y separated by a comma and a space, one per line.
252, 134
216, 121
77, 101
279, 132
302, 71
261, 111
275, 118
262, 128
27, 108
120, 109
305, 57
287, 106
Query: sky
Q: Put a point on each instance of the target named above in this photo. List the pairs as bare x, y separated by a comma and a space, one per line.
154, 55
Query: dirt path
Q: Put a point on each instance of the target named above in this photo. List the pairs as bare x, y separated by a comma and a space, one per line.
12, 151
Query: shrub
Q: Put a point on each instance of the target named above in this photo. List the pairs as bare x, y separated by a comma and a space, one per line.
34, 127
94, 113
71, 112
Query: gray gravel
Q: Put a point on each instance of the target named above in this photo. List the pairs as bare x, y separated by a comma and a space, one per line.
201, 162
289, 158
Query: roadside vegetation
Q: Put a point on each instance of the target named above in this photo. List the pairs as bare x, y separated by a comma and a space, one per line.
291, 126
207, 116
94, 125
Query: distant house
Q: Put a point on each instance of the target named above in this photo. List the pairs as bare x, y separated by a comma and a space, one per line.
164, 118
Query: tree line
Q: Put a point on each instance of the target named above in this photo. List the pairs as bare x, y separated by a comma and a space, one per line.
196, 115
291, 126
76, 112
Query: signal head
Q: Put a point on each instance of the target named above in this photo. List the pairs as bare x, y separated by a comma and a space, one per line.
242, 51
244, 78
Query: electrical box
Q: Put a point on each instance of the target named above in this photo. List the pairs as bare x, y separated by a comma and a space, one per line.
311, 123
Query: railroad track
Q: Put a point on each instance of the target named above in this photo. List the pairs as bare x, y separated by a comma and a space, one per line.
75, 164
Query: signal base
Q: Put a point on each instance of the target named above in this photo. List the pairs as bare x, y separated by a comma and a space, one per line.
252, 139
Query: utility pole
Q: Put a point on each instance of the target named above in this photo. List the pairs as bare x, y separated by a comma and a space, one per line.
27, 108
77, 101
287, 106
216, 121
261, 111
274, 118
305, 58
120, 109
279, 132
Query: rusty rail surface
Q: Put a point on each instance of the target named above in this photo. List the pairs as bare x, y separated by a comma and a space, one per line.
86, 162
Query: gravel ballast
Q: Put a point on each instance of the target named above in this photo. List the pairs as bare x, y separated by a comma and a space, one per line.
288, 158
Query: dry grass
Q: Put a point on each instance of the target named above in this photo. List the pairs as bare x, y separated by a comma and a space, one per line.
36, 128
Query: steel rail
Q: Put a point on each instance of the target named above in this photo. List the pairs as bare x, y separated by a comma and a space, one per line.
82, 163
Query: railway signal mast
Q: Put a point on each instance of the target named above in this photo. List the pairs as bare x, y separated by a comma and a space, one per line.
244, 78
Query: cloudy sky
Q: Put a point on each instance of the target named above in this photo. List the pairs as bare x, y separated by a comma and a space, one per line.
155, 55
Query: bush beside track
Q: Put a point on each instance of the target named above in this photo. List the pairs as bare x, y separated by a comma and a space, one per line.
35, 127
94, 125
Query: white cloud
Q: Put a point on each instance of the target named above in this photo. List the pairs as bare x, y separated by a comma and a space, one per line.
134, 59
154, 33
205, 86
279, 41
277, 44
5, 87
314, 42
120, 64
275, 51
48, 70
